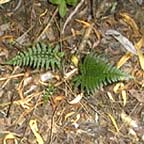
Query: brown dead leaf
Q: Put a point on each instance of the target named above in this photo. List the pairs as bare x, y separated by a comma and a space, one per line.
56, 99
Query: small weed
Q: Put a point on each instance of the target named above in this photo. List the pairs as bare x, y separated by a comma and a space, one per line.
62, 5
48, 92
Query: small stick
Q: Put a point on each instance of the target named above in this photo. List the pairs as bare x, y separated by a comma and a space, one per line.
71, 15
47, 26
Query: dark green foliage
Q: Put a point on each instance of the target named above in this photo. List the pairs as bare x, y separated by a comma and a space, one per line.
95, 72
39, 56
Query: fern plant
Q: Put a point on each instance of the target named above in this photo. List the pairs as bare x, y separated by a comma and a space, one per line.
39, 56
95, 72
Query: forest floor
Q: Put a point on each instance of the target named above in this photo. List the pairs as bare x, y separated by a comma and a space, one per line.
113, 114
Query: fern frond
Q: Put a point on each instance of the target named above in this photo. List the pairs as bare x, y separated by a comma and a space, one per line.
39, 56
95, 72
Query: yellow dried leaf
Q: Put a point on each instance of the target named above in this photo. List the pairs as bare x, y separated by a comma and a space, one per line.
77, 118
83, 22
4, 1
124, 97
74, 60
10, 136
138, 46
114, 122
34, 128
69, 114
118, 87
123, 59
110, 96
126, 18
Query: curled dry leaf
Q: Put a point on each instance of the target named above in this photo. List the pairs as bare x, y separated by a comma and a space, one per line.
10, 136
34, 128
76, 99
118, 87
123, 40
68, 115
4, 1
77, 118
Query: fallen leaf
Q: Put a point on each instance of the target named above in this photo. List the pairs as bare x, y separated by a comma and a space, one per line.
126, 18
138, 47
110, 96
10, 136
118, 87
34, 128
76, 120
69, 114
124, 97
113, 122
76, 99
56, 99
123, 59
4, 1
123, 40
74, 60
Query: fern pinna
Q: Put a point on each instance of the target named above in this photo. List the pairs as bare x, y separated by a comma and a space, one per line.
39, 56
95, 72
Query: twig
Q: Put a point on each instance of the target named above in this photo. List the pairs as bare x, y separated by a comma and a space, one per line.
7, 81
71, 15
47, 26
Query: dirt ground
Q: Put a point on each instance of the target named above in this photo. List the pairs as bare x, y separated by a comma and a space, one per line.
113, 114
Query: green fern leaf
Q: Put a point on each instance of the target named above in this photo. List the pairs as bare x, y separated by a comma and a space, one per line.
39, 56
95, 72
